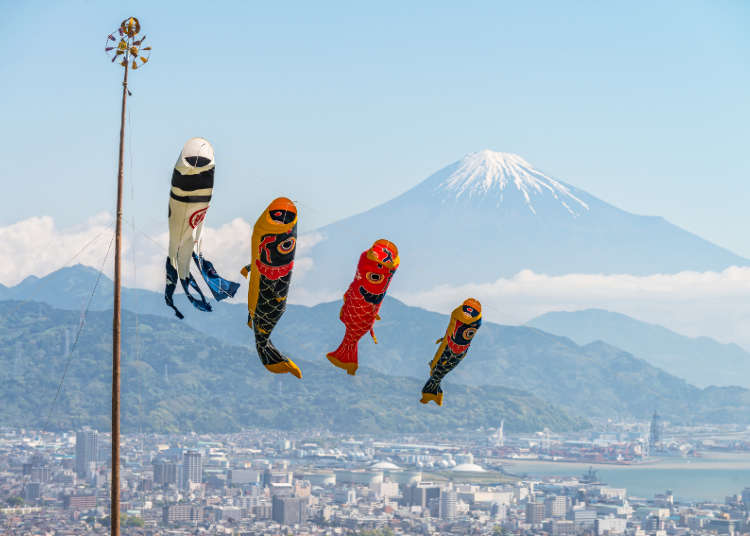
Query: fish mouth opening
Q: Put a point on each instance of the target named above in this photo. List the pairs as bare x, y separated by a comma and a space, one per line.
456, 348
197, 161
370, 297
274, 272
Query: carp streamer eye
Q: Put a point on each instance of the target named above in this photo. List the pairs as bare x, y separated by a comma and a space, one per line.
286, 246
469, 333
374, 277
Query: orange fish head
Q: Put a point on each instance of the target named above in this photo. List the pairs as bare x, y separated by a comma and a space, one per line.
468, 318
281, 211
384, 252
469, 311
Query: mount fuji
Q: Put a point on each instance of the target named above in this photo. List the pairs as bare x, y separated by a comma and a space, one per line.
491, 215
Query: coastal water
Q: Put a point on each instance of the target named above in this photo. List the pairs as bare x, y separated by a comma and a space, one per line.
711, 477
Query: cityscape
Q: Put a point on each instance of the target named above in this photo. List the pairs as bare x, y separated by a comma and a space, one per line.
265, 482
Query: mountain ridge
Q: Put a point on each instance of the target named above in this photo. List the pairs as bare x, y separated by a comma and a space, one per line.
175, 379
702, 361
448, 240
594, 380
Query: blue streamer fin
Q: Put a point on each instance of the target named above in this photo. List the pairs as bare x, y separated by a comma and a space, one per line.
200, 304
170, 288
221, 288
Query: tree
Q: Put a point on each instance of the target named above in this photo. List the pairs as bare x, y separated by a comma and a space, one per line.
133, 521
14, 500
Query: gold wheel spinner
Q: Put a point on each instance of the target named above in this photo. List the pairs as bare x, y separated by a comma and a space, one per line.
123, 46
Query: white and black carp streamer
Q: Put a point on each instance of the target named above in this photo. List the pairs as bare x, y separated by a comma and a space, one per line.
192, 187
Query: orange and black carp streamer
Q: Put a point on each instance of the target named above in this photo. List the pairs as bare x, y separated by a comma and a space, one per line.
363, 299
464, 323
274, 243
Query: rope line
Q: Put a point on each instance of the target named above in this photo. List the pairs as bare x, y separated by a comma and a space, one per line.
21, 303
133, 249
144, 233
81, 325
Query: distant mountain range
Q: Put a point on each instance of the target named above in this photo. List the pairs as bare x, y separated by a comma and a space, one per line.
491, 215
702, 361
596, 379
177, 379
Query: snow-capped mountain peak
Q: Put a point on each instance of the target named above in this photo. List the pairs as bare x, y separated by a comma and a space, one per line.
489, 172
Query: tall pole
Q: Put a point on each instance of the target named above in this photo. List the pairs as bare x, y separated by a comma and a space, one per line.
116, 323
126, 50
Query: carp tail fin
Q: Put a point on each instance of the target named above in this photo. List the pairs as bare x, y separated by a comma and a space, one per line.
345, 356
220, 288
170, 288
432, 392
198, 302
275, 361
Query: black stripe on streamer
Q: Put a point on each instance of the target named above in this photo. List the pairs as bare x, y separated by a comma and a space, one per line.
198, 181
190, 198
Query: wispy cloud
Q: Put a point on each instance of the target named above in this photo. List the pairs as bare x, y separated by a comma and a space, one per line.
36, 246
716, 304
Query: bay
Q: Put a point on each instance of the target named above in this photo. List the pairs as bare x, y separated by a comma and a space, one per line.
709, 478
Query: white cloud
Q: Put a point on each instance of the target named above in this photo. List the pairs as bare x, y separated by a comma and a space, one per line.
35, 246
715, 304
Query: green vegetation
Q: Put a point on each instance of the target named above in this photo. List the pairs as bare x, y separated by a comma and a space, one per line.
131, 521
177, 379
488, 478
385, 531
594, 380
14, 501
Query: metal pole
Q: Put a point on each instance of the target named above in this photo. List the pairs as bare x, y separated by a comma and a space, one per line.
114, 514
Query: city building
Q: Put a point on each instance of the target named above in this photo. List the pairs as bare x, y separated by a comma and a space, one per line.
31, 492
560, 527
289, 510
420, 494
182, 513
655, 432
166, 472
87, 452
226, 493
610, 525
583, 518
448, 504
555, 506
79, 502
534, 513
192, 468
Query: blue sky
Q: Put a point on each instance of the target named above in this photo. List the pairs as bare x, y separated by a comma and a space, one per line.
344, 105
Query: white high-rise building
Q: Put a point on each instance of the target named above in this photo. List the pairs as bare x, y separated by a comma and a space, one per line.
555, 506
192, 468
448, 504
87, 452
499, 438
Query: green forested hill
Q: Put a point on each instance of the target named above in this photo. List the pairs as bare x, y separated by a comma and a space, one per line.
178, 379
592, 380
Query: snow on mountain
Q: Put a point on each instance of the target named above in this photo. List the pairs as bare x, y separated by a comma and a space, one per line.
491, 215
489, 173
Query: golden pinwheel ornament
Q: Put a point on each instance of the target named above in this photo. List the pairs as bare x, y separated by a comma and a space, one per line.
124, 47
